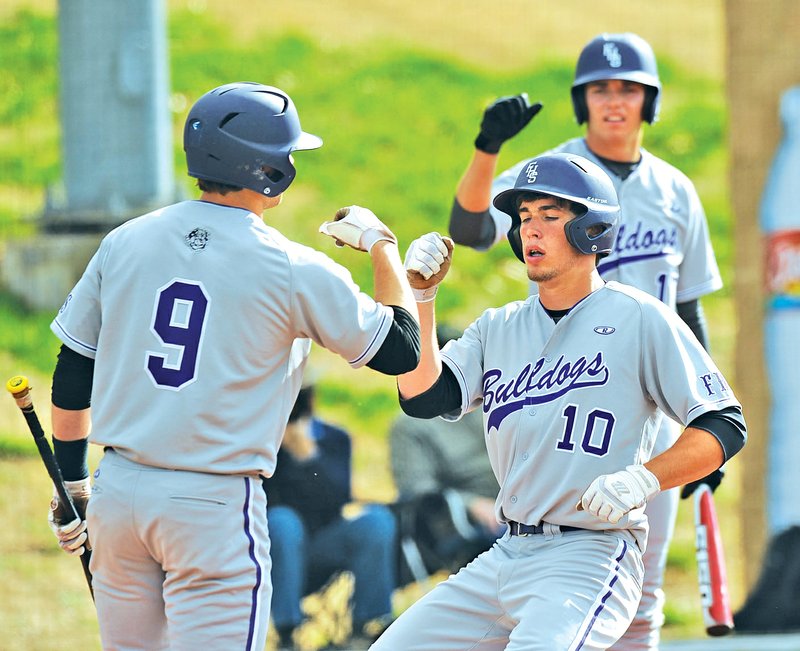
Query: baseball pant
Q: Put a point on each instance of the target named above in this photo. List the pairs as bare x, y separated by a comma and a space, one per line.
180, 559
569, 591
644, 633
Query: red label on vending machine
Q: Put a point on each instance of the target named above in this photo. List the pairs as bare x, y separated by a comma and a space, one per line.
783, 268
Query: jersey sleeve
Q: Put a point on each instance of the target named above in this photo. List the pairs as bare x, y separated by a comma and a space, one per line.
328, 307
77, 323
678, 373
464, 357
699, 274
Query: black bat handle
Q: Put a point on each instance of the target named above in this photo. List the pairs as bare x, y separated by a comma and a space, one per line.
46, 453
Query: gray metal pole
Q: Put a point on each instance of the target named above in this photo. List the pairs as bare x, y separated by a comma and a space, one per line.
114, 104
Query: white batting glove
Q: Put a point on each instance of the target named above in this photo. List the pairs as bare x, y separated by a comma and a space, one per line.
609, 497
357, 227
428, 256
72, 536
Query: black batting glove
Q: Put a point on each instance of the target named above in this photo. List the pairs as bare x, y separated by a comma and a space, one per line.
504, 119
713, 480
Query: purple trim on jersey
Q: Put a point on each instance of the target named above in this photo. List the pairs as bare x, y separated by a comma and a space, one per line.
605, 597
613, 264
72, 339
254, 607
372, 341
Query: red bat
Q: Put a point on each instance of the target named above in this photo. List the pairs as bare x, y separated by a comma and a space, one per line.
711, 573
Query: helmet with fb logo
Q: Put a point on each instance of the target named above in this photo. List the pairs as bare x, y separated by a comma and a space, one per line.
617, 56
577, 179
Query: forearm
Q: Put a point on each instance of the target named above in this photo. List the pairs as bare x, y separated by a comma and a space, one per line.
429, 368
694, 455
389, 278
474, 190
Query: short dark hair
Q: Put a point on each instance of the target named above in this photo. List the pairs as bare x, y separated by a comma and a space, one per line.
575, 208
216, 187
303, 404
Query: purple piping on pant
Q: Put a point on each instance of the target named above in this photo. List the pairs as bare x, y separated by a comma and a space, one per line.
252, 551
605, 596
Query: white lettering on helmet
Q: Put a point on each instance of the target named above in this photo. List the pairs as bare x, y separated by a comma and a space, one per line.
612, 54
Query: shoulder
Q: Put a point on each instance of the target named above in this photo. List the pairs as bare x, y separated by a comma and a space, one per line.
573, 146
307, 262
137, 233
494, 320
515, 309
636, 300
665, 172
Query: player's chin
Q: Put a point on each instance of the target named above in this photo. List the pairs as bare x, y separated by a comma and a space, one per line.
537, 272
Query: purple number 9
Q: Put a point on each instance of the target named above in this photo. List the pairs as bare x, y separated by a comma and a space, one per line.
179, 319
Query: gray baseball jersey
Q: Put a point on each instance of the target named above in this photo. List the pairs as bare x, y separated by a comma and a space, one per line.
207, 320
663, 245
565, 403
662, 248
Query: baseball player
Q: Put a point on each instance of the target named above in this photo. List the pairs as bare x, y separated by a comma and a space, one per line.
188, 334
573, 384
663, 246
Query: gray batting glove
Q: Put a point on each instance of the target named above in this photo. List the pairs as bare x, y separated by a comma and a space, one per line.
358, 228
427, 262
72, 536
609, 497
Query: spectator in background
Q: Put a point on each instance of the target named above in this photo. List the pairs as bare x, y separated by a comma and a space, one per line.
311, 539
433, 458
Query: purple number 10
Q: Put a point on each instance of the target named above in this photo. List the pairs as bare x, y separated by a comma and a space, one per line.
179, 318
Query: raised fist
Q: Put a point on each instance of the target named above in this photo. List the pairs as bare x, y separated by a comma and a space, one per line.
504, 119
427, 261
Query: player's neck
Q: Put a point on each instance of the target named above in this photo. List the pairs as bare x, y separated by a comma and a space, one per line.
245, 199
562, 294
622, 149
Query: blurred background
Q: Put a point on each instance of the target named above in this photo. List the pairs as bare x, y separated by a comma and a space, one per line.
90, 135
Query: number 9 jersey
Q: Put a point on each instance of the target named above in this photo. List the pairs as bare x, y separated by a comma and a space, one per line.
207, 320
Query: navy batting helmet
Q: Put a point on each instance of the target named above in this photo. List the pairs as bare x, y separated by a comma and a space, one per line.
617, 56
243, 134
577, 179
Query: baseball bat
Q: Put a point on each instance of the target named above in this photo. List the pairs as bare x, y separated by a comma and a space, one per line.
711, 574
20, 389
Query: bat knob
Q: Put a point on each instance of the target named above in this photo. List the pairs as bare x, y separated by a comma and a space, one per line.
17, 384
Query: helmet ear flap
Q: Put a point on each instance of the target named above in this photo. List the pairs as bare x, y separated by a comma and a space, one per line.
650, 106
570, 230
515, 240
579, 104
